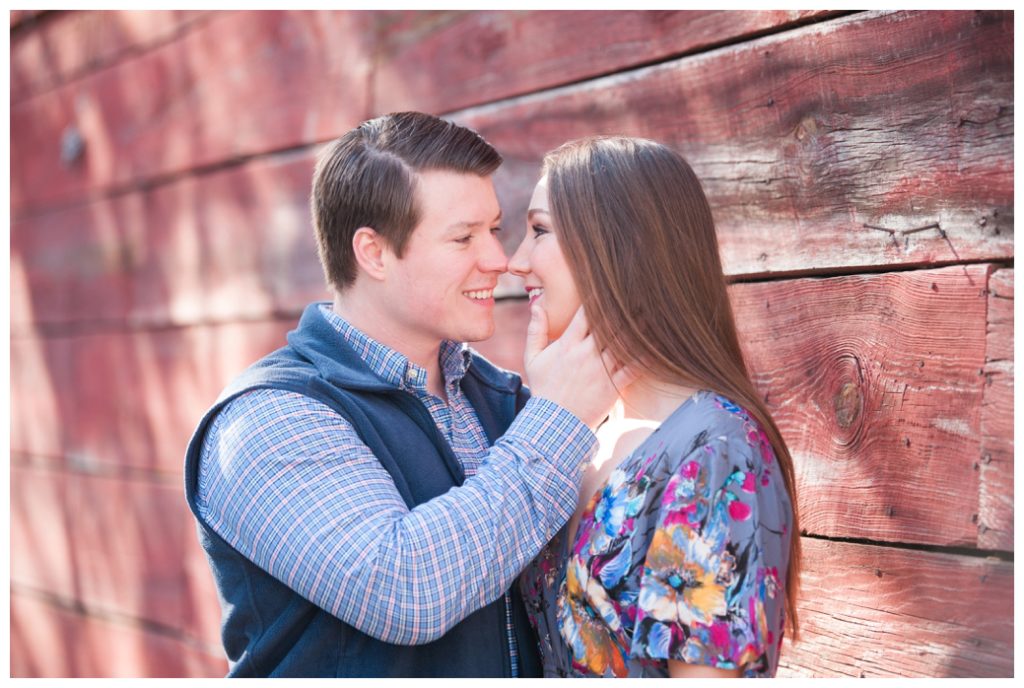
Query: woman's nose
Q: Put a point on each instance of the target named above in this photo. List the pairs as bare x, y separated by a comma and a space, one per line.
519, 263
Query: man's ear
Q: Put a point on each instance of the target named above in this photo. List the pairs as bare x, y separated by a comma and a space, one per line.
370, 248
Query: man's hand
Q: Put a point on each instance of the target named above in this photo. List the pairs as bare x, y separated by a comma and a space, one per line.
571, 372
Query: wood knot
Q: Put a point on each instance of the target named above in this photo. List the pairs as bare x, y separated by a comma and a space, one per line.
847, 404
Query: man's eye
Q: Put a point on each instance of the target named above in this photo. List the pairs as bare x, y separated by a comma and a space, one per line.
495, 230
464, 240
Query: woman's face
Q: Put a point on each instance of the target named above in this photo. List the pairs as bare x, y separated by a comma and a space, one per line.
539, 261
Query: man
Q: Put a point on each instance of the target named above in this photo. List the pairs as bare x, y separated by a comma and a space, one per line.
355, 514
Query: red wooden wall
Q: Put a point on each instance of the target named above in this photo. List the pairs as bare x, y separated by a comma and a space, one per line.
860, 166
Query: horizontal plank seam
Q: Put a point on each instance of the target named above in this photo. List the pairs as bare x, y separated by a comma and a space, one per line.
147, 184
853, 270
126, 54
972, 552
29, 23
98, 326
548, 92
150, 183
68, 464
740, 39
79, 608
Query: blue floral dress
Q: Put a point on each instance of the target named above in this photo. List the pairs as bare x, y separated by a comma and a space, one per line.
681, 554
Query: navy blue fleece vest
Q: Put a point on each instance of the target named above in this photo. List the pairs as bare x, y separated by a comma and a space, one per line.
267, 628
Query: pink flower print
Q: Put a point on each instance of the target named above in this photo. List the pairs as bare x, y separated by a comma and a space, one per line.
749, 483
739, 511
691, 469
720, 634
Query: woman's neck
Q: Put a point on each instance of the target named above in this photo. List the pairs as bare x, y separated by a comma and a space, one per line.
653, 400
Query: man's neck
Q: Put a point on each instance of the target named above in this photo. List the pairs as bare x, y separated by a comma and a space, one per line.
367, 319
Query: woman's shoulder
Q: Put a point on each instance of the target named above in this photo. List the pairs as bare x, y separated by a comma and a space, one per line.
712, 425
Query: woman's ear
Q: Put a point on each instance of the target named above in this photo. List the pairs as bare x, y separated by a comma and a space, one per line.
369, 248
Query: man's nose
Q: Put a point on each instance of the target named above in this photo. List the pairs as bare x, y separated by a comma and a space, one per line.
493, 258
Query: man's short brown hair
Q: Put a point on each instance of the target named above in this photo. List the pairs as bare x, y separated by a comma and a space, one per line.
367, 178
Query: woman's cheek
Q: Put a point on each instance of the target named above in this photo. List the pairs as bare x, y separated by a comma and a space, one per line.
559, 317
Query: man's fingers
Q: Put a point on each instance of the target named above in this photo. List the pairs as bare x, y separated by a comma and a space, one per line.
610, 364
625, 376
536, 333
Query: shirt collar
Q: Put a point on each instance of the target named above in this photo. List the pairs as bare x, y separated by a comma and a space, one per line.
394, 368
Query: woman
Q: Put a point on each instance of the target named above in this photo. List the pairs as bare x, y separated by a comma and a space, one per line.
682, 556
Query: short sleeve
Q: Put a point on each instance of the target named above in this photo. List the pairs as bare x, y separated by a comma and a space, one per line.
704, 586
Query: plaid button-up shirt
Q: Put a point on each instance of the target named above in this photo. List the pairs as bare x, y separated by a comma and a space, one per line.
287, 482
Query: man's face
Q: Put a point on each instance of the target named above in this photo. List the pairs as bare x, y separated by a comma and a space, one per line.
443, 285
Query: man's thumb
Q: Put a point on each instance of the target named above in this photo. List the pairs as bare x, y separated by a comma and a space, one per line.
536, 333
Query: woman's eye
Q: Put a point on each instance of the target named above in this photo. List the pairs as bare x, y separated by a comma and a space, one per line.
538, 230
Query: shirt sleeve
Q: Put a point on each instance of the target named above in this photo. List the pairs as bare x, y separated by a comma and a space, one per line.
288, 483
705, 583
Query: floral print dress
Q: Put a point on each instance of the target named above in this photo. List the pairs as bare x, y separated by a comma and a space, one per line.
681, 554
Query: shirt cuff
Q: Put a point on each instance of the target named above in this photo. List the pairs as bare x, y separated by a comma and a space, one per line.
553, 432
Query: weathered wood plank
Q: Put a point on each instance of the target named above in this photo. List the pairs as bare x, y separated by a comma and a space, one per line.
882, 611
483, 56
186, 243
40, 373
41, 551
54, 640
112, 543
240, 84
18, 17
74, 43
894, 120
128, 399
875, 383
235, 244
995, 511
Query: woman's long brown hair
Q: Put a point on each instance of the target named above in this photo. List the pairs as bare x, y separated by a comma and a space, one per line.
639, 238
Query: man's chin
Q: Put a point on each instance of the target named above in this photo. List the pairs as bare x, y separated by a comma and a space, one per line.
479, 334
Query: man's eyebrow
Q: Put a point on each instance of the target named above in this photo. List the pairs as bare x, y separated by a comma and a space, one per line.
466, 224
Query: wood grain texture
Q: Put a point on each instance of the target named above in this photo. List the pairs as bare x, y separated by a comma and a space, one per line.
57, 640
894, 120
870, 611
240, 84
121, 542
128, 399
19, 17
41, 551
489, 55
875, 382
230, 245
995, 511
40, 373
73, 44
